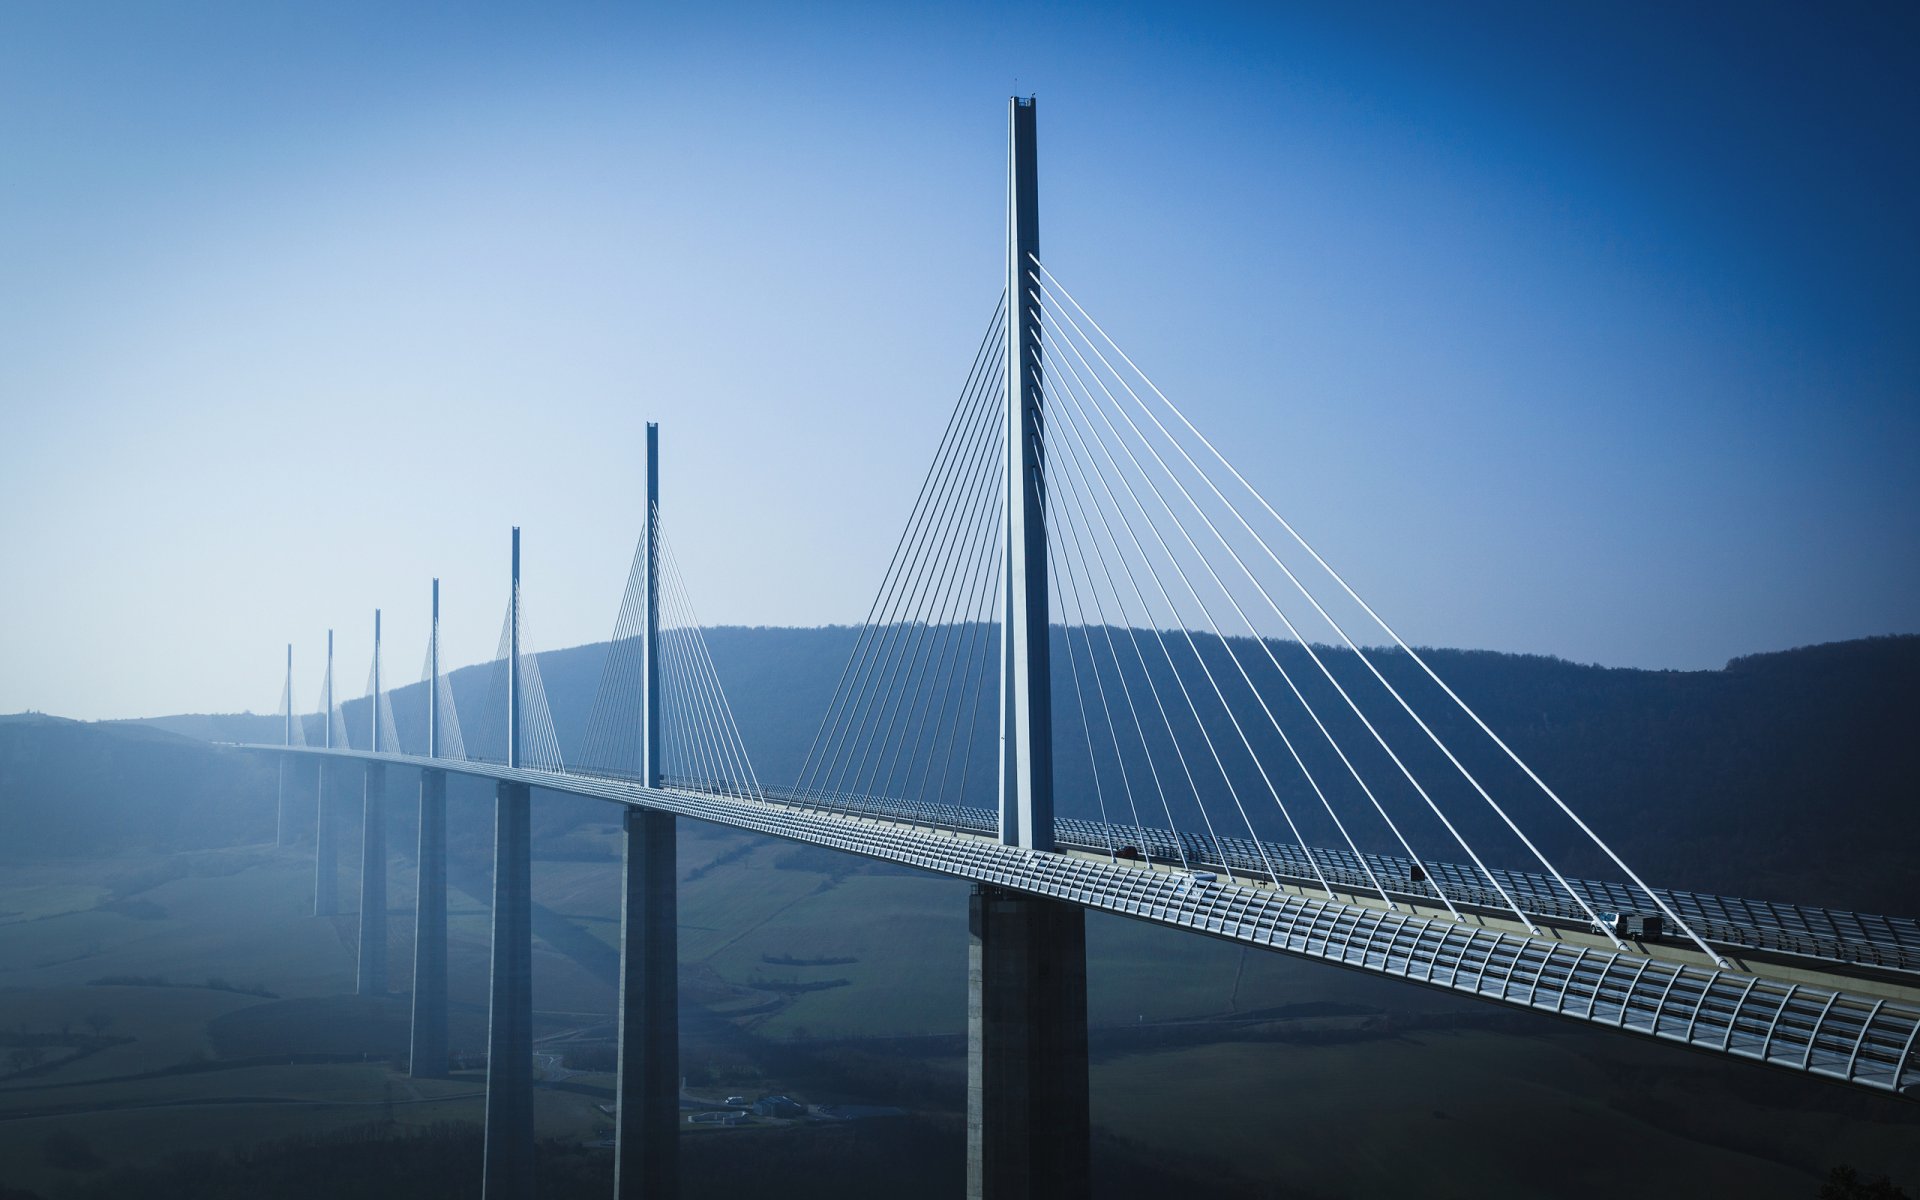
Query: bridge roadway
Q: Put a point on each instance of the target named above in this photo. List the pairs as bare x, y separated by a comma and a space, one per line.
1792, 931
1835, 1020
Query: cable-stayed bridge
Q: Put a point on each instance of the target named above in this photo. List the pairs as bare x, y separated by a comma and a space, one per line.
1100, 673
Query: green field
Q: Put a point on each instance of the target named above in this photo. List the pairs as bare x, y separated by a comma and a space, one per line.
1242, 1071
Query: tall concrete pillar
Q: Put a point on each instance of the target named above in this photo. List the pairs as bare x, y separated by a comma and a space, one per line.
373, 849
428, 1059
1027, 1124
326, 852
373, 883
326, 855
646, 1155
286, 715
646, 1158
1026, 688
509, 1131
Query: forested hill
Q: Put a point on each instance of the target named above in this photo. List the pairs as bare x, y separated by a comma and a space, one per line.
1788, 776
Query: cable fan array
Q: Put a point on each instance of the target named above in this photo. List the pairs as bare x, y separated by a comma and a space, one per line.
293, 725
539, 743
700, 744
323, 715
446, 717
913, 713
1214, 701
1161, 544
1209, 704
381, 700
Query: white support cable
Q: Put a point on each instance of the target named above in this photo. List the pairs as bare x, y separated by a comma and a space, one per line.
536, 734
1246, 743
954, 421
1444, 898
973, 506
703, 659
751, 781
1391, 632
835, 778
965, 484
978, 678
1307, 773
698, 723
612, 732
428, 694
1133, 635
1147, 443
678, 756
627, 680
540, 741
692, 649
1106, 630
1073, 667
976, 420
700, 751
961, 666
1578, 898
1226, 776
978, 536
452, 745
1064, 568
908, 682
718, 769
296, 723
704, 760
615, 737
383, 712
493, 717
1312, 781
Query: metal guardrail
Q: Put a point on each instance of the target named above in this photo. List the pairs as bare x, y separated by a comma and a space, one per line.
1891, 943
1836, 1035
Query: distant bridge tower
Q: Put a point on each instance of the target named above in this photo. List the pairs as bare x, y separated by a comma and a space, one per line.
509, 1127
647, 1115
372, 975
1027, 1122
280, 804
326, 854
1026, 690
428, 1058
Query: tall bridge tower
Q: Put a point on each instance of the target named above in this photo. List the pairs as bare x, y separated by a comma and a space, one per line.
1027, 1122
428, 1056
372, 975
646, 1159
326, 851
509, 1125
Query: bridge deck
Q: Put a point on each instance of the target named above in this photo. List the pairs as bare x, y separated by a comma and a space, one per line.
1809, 1015
1802, 931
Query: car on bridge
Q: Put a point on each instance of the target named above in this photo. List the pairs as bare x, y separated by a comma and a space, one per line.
1638, 927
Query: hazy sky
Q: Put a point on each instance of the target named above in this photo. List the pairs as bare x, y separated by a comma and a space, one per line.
1580, 329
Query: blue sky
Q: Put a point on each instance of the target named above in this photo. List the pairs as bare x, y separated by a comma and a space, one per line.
1571, 329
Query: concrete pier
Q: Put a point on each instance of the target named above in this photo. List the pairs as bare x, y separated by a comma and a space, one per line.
326, 850
373, 883
428, 1059
646, 1158
509, 1128
1027, 1124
